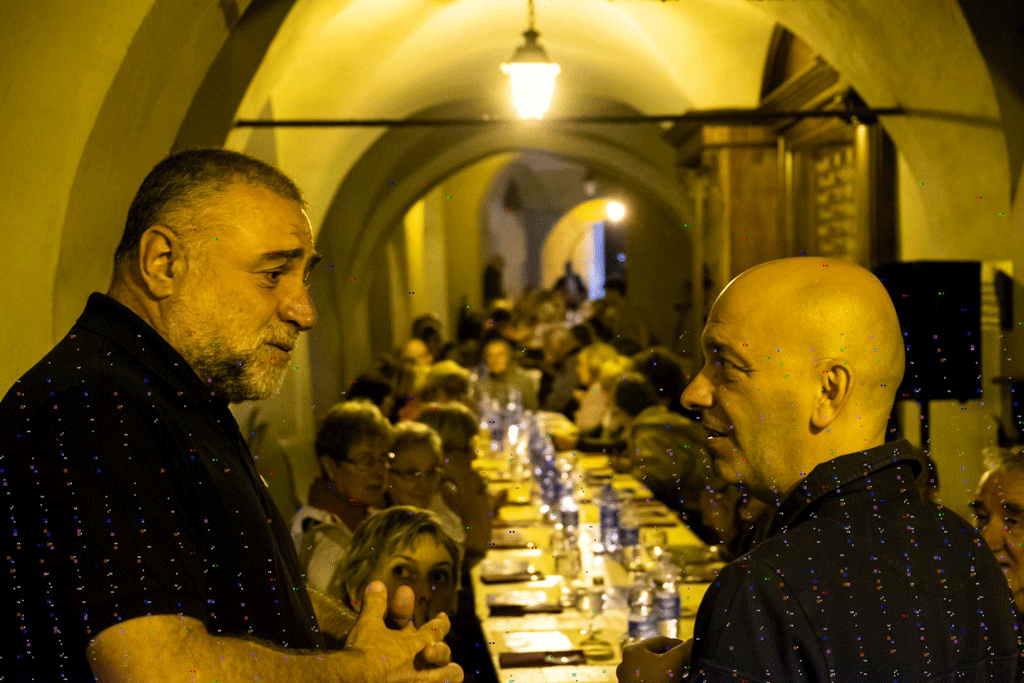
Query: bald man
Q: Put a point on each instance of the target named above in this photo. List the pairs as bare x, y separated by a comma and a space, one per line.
859, 579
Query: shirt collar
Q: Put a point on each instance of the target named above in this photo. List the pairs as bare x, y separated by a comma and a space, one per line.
840, 472
111, 319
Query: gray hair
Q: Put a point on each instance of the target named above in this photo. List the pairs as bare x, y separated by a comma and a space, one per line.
409, 434
455, 423
186, 182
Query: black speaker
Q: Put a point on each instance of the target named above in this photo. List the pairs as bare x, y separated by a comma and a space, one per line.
939, 307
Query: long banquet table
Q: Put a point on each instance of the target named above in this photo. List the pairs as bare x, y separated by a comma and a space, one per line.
521, 540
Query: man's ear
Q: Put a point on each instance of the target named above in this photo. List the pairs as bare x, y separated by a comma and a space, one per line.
162, 261
836, 385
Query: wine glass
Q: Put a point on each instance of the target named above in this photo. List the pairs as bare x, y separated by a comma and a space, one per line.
591, 602
655, 540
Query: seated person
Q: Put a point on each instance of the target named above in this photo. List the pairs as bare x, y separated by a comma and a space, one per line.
503, 377
998, 510
403, 546
444, 381
664, 370
739, 521
593, 401
352, 450
607, 435
415, 475
462, 488
665, 451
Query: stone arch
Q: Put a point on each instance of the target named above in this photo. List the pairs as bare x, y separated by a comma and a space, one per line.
367, 208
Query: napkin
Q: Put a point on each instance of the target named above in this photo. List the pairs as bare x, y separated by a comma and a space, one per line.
511, 576
509, 660
506, 610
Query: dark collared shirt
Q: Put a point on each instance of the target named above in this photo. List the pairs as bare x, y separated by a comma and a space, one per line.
127, 490
860, 580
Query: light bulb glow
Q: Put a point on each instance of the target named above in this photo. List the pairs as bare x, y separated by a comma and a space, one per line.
533, 83
615, 210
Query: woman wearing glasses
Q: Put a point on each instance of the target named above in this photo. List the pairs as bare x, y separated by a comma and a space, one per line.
415, 475
352, 450
462, 488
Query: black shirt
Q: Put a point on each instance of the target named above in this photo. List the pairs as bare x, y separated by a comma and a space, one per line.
860, 580
128, 490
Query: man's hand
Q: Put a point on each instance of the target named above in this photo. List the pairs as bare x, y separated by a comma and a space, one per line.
409, 654
655, 660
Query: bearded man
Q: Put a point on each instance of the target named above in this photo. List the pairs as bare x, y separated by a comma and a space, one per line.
859, 578
140, 543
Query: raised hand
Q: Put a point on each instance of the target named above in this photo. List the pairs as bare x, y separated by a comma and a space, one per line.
406, 655
655, 660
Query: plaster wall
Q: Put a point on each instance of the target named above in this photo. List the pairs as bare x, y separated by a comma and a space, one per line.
47, 111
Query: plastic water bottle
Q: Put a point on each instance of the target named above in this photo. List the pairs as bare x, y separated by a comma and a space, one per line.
629, 538
667, 601
643, 618
549, 484
608, 504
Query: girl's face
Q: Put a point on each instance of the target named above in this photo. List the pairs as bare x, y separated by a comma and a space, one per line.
428, 569
415, 476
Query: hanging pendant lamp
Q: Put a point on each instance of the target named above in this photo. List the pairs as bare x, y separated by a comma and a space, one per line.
531, 74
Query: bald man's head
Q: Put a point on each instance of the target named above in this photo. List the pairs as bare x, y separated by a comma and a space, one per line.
803, 358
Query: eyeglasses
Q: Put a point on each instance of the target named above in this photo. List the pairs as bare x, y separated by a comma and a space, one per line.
429, 475
367, 464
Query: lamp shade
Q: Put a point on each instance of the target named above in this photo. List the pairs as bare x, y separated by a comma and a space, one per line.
532, 77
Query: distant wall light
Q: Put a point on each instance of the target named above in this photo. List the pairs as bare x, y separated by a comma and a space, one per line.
615, 210
531, 75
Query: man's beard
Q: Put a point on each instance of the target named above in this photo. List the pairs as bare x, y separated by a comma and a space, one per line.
237, 370
238, 375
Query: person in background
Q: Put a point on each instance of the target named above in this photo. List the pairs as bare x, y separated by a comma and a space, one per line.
621, 317
352, 451
664, 370
593, 401
608, 436
448, 381
559, 378
493, 287
428, 328
803, 357
373, 388
503, 377
415, 475
416, 353
738, 520
462, 488
665, 451
998, 509
464, 491
403, 546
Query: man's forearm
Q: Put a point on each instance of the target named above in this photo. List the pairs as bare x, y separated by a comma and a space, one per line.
170, 648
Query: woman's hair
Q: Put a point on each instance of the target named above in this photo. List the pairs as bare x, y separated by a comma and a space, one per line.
613, 370
371, 387
596, 354
384, 534
635, 393
455, 423
348, 422
446, 381
408, 434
